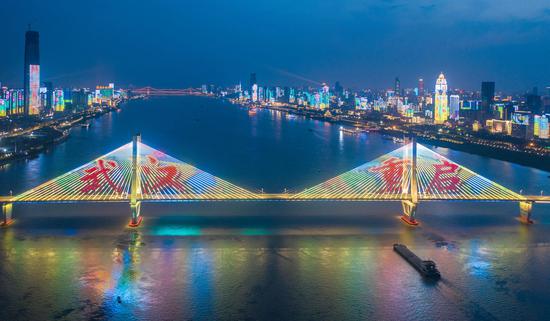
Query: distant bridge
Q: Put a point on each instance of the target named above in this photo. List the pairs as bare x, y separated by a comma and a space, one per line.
136, 173
150, 91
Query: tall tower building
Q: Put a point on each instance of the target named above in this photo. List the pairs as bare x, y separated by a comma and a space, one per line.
32, 73
441, 102
49, 96
454, 107
253, 87
487, 100
421, 87
397, 87
253, 80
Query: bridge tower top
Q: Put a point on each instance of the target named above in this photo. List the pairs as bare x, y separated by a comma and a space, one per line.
134, 189
414, 183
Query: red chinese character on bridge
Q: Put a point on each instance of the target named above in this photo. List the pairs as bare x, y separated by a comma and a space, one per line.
96, 177
392, 173
162, 176
445, 178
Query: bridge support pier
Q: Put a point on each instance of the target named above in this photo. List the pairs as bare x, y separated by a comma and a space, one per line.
135, 207
409, 212
525, 209
7, 209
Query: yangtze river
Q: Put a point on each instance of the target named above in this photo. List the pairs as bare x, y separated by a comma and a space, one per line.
264, 260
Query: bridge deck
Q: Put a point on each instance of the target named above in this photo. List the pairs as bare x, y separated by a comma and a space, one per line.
282, 197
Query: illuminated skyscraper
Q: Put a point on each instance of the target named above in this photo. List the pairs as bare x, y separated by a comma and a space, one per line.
32, 73
397, 87
454, 107
441, 103
58, 100
253, 87
421, 87
544, 131
324, 101
49, 96
3, 107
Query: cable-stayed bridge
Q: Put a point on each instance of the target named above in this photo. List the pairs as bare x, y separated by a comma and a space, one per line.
136, 173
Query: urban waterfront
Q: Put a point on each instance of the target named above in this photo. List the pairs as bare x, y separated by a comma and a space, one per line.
264, 260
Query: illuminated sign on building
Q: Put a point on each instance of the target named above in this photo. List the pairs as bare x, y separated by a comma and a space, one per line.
470, 105
541, 126
536, 126
34, 92
3, 108
521, 118
454, 107
361, 103
500, 126
106, 92
58, 100
254, 93
499, 110
544, 130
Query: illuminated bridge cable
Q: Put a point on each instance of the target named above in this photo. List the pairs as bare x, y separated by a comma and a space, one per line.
108, 178
162, 177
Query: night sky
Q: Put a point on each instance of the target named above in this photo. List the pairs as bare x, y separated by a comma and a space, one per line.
361, 43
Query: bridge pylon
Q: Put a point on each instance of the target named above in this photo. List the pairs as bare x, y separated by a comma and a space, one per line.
7, 209
409, 206
135, 203
525, 210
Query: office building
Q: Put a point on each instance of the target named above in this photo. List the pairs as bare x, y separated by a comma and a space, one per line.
31, 77
454, 107
487, 100
397, 87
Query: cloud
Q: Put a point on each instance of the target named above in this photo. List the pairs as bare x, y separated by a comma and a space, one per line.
457, 23
448, 10
499, 10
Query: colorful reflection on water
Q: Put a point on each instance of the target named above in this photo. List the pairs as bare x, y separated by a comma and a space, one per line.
298, 272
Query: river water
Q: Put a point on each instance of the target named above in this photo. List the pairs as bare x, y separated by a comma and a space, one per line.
264, 260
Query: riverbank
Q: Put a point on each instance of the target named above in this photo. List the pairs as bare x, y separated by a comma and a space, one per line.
493, 149
532, 160
30, 142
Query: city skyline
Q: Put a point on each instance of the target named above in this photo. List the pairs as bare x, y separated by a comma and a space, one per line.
367, 51
275, 160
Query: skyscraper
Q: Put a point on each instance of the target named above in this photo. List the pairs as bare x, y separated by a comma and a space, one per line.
397, 87
420, 87
338, 89
454, 107
32, 73
49, 96
253, 87
253, 80
533, 102
487, 100
441, 103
